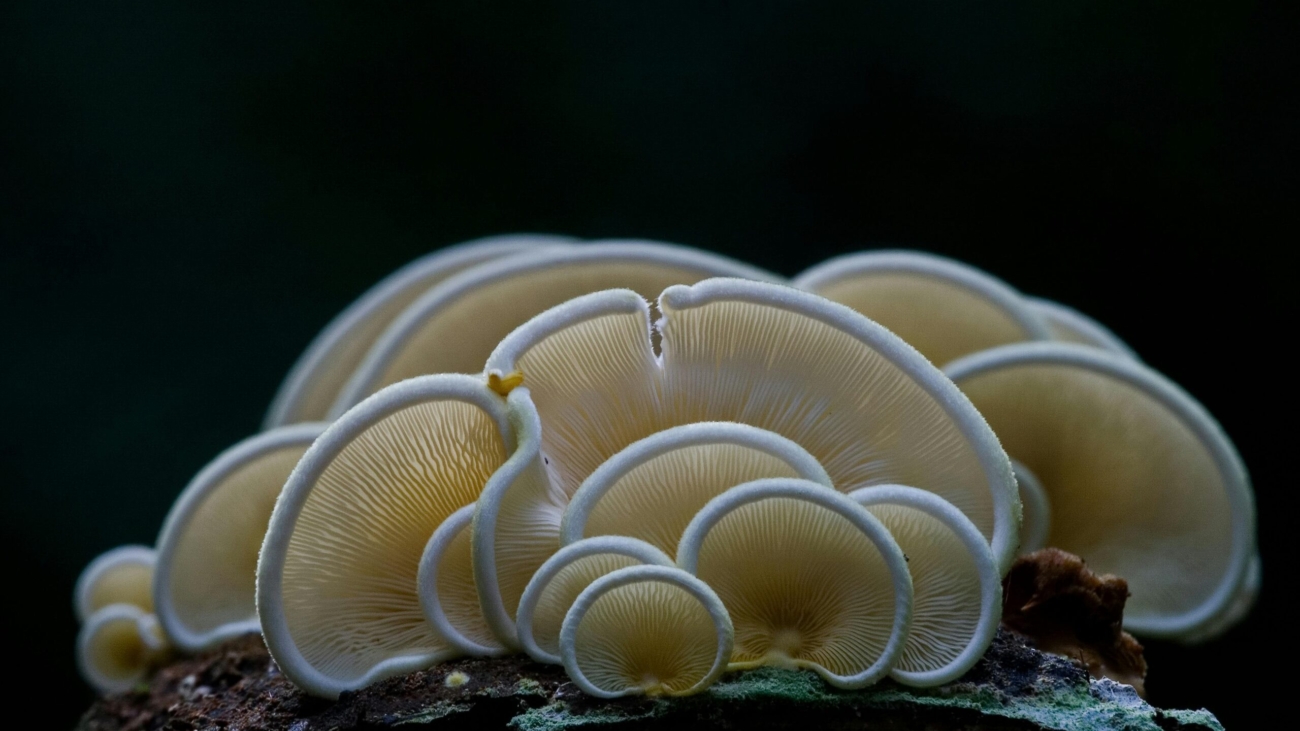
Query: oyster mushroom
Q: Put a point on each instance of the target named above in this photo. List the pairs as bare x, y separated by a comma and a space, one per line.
322, 370
123, 575
1071, 326
1143, 482
653, 630
337, 590
956, 585
1036, 515
118, 646
653, 488
557, 584
810, 578
866, 405
943, 308
477, 308
448, 593
204, 582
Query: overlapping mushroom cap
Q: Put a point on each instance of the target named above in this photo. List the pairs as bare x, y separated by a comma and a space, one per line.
117, 647
1069, 325
1142, 481
123, 575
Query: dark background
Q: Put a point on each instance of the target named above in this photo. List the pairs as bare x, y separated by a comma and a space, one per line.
189, 194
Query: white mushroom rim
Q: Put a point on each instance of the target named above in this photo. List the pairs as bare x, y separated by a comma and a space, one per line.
270, 577
431, 601
394, 288
688, 555
636, 574
595, 487
390, 345
122, 557
1036, 524
112, 664
973, 472
180, 517
990, 580
1194, 416
942, 268
1081, 326
616, 545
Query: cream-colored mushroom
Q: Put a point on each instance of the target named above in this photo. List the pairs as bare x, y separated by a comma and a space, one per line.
1143, 482
448, 593
453, 327
943, 308
1071, 326
810, 578
337, 590
653, 488
123, 575
556, 585
323, 369
118, 646
653, 630
204, 582
956, 586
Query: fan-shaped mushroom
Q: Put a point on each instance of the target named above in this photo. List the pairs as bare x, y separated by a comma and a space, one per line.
204, 582
943, 308
117, 647
653, 488
653, 630
956, 586
810, 578
337, 578
1071, 326
478, 307
1143, 482
556, 585
322, 370
448, 593
123, 575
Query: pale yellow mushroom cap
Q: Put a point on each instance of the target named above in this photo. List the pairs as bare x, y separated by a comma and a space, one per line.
118, 646
123, 575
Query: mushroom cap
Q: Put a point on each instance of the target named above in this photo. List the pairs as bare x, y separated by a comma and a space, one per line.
1069, 325
557, 584
655, 630
956, 586
654, 487
117, 646
943, 308
1143, 482
314, 381
865, 404
123, 575
337, 590
810, 578
448, 593
205, 579
478, 307
1242, 602
1036, 518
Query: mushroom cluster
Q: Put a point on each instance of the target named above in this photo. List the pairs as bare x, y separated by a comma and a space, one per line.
652, 465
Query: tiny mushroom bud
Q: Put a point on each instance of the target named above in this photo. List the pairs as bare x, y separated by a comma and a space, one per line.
810, 578
123, 575
653, 630
448, 593
204, 584
1143, 482
118, 646
943, 308
1071, 326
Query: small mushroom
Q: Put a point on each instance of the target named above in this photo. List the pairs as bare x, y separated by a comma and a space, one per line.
562, 578
478, 307
203, 586
448, 593
810, 578
322, 370
118, 646
653, 488
1036, 519
943, 308
1071, 326
337, 590
123, 575
1143, 482
652, 630
956, 586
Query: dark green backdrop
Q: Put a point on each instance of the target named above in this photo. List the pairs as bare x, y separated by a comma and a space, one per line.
191, 190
